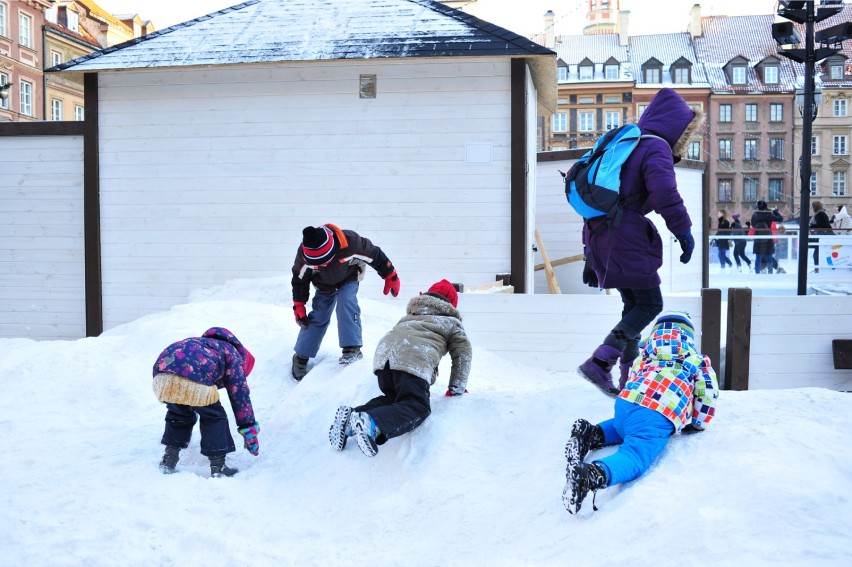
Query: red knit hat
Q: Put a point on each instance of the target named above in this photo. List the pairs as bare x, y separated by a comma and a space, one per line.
446, 290
318, 245
248, 364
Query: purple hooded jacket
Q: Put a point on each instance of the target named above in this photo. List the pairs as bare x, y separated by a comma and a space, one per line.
630, 255
216, 358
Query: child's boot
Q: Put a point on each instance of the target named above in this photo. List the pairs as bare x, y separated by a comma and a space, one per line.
582, 478
624, 372
585, 437
340, 431
300, 367
170, 459
351, 354
219, 468
365, 431
596, 368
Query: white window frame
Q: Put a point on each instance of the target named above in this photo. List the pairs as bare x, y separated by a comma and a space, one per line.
560, 122
693, 150
776, 148
836, 72
814, 145
776, 112
839, 107
725, 113
79, 113
26, 99
776, 196
611, 72
56, 109
586, 72
750, 149
640, 110
750, 189
738, 75
839, 146
55, 57
653, 75
4, 20
726, 149
751, 112
73, 19
725, 185
562, 74
770, 74
838, 183
814, 183
612, 119
25, 30
586, 121
680, 75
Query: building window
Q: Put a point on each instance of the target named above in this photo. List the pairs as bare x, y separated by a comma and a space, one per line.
776, 148
587, 122
839, 146
55, 58
750, 149
26, 98
814, 146
814, 184
4, 78
73, 20
652, 75
610, 72
560, 122
840, 107
586, 72
749, 190
25, 30
739, 75
613, 120
55, 109
3, 25
724, 191
612, 99
693, 151
838, 184
776, 190
640, 110
724, 113
776, 112
751, 112
836, 71
725, 149
561, 74
680, 75
770, 74
78, 113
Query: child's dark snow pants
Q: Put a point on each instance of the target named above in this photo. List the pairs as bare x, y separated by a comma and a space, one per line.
402, 408
216, 437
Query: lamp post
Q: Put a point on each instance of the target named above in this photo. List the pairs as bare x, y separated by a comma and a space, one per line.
804, 12
4, 91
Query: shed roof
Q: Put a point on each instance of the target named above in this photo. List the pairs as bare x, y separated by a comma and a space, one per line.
264, 31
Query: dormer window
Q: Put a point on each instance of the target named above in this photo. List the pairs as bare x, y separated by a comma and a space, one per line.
682, 71
836, 72
562, 74
586, 70
73, 21
736, 70
611, 69
652, 71
833, 67
738, 74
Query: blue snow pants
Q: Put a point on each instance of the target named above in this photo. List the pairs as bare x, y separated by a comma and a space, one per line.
642, 434
216, 437
348, 320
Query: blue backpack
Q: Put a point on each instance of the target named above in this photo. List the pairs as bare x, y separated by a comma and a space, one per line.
592, 184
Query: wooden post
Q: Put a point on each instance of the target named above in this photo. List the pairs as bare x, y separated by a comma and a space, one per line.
738, 342
711, 327
552, 284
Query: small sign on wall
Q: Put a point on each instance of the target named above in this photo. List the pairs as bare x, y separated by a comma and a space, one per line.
477, 154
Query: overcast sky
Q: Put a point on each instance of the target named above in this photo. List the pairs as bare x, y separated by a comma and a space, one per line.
521, 16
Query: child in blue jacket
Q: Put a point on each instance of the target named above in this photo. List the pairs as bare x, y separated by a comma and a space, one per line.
187, 377
671, 387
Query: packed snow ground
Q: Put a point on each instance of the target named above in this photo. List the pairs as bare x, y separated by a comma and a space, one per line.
479, 483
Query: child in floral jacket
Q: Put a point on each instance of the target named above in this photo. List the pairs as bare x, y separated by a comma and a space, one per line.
406, 365
671, 387
187, 377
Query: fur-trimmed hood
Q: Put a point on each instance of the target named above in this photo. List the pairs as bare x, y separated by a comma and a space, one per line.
670, 117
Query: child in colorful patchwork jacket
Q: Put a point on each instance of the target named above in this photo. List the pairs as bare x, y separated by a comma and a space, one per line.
406, 365
187, 378
671, 387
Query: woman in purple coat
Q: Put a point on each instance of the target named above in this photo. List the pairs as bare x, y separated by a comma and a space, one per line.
627, 256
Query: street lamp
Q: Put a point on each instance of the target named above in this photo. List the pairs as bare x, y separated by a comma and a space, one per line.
800, 101
4, 91
784, 33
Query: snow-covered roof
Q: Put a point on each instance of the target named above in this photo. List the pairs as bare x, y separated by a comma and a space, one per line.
667, 49
598, 48
263, 31
725, 38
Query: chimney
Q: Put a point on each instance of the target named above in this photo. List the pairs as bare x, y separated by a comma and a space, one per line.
621, 27
549, 29
694, 28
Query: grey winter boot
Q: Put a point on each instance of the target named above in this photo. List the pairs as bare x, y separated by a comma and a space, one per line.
585, 437
170, 459
596, 368
351, 354
300, 367
582, 478
218, 467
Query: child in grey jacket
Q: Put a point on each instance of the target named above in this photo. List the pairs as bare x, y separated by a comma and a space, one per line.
406, 365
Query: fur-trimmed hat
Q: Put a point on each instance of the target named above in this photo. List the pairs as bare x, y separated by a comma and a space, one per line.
446, 290
318, 245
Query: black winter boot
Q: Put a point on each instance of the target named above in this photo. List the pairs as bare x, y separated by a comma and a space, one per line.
300, 367
585, 437
219, 468
582, 478
170, 459
351, 354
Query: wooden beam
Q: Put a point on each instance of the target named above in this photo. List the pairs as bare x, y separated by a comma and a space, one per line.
552, 284
92, 209
518, 201
561, 261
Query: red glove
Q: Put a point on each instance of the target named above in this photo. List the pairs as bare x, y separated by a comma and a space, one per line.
392, 284
450, 393
301, 314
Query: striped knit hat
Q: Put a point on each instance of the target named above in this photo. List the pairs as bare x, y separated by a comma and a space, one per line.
318, 245
679, 318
